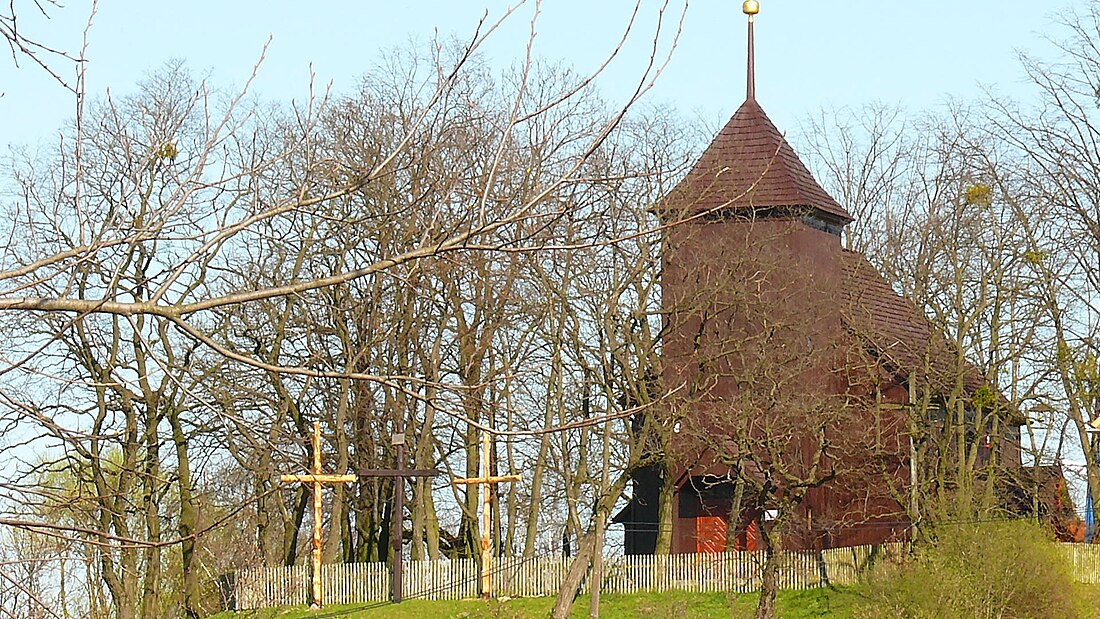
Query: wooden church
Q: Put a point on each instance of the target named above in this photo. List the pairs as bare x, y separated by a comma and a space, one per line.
794, 366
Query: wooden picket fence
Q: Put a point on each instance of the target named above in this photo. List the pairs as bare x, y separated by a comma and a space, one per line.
351, 583
1086, 562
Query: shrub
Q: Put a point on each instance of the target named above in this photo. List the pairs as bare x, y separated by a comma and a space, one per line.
1006, 569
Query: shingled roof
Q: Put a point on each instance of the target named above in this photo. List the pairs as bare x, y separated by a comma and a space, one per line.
899, 334
750, 166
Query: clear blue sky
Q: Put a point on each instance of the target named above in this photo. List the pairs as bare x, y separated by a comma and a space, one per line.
810, 53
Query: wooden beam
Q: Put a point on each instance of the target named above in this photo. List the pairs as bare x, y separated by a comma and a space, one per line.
317, 479
399, 473
488, 481
397, 513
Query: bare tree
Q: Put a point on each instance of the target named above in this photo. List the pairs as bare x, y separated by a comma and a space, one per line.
1054, 142
948, 237
200, 277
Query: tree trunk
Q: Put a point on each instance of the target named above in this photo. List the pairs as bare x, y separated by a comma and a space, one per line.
769, 580
339, 495
571, 584
290, 534
602, 514
769, 585
188, 520
536, 493
366, 518
431, 524
425, 455
553, 403
512, 504
733, 525
151, 585
664, 507
468, 530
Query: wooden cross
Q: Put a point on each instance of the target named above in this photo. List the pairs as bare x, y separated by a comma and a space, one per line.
397, 514
488, 481
317, 479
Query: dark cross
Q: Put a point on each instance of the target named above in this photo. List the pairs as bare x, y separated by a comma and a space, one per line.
397, 514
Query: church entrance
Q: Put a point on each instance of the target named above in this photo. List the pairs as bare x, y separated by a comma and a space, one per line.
710, 534
703, 521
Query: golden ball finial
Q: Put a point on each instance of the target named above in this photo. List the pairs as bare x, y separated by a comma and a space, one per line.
751, 7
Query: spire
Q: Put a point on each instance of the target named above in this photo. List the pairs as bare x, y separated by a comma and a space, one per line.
751, 8
749, 168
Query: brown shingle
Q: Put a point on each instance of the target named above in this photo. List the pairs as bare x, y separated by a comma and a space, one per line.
749, 165
896, 331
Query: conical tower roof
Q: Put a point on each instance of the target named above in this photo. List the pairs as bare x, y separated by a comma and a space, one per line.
748, 167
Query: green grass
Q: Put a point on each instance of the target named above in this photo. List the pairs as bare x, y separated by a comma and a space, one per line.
823, 603
839, 603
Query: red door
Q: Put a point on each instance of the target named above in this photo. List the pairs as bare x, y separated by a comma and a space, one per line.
710, 534
749, 537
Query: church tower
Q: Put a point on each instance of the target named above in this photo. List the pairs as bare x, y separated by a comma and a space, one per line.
753, 275
790, 362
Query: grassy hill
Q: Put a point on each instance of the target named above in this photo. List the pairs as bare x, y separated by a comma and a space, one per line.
824, 603
841, 603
